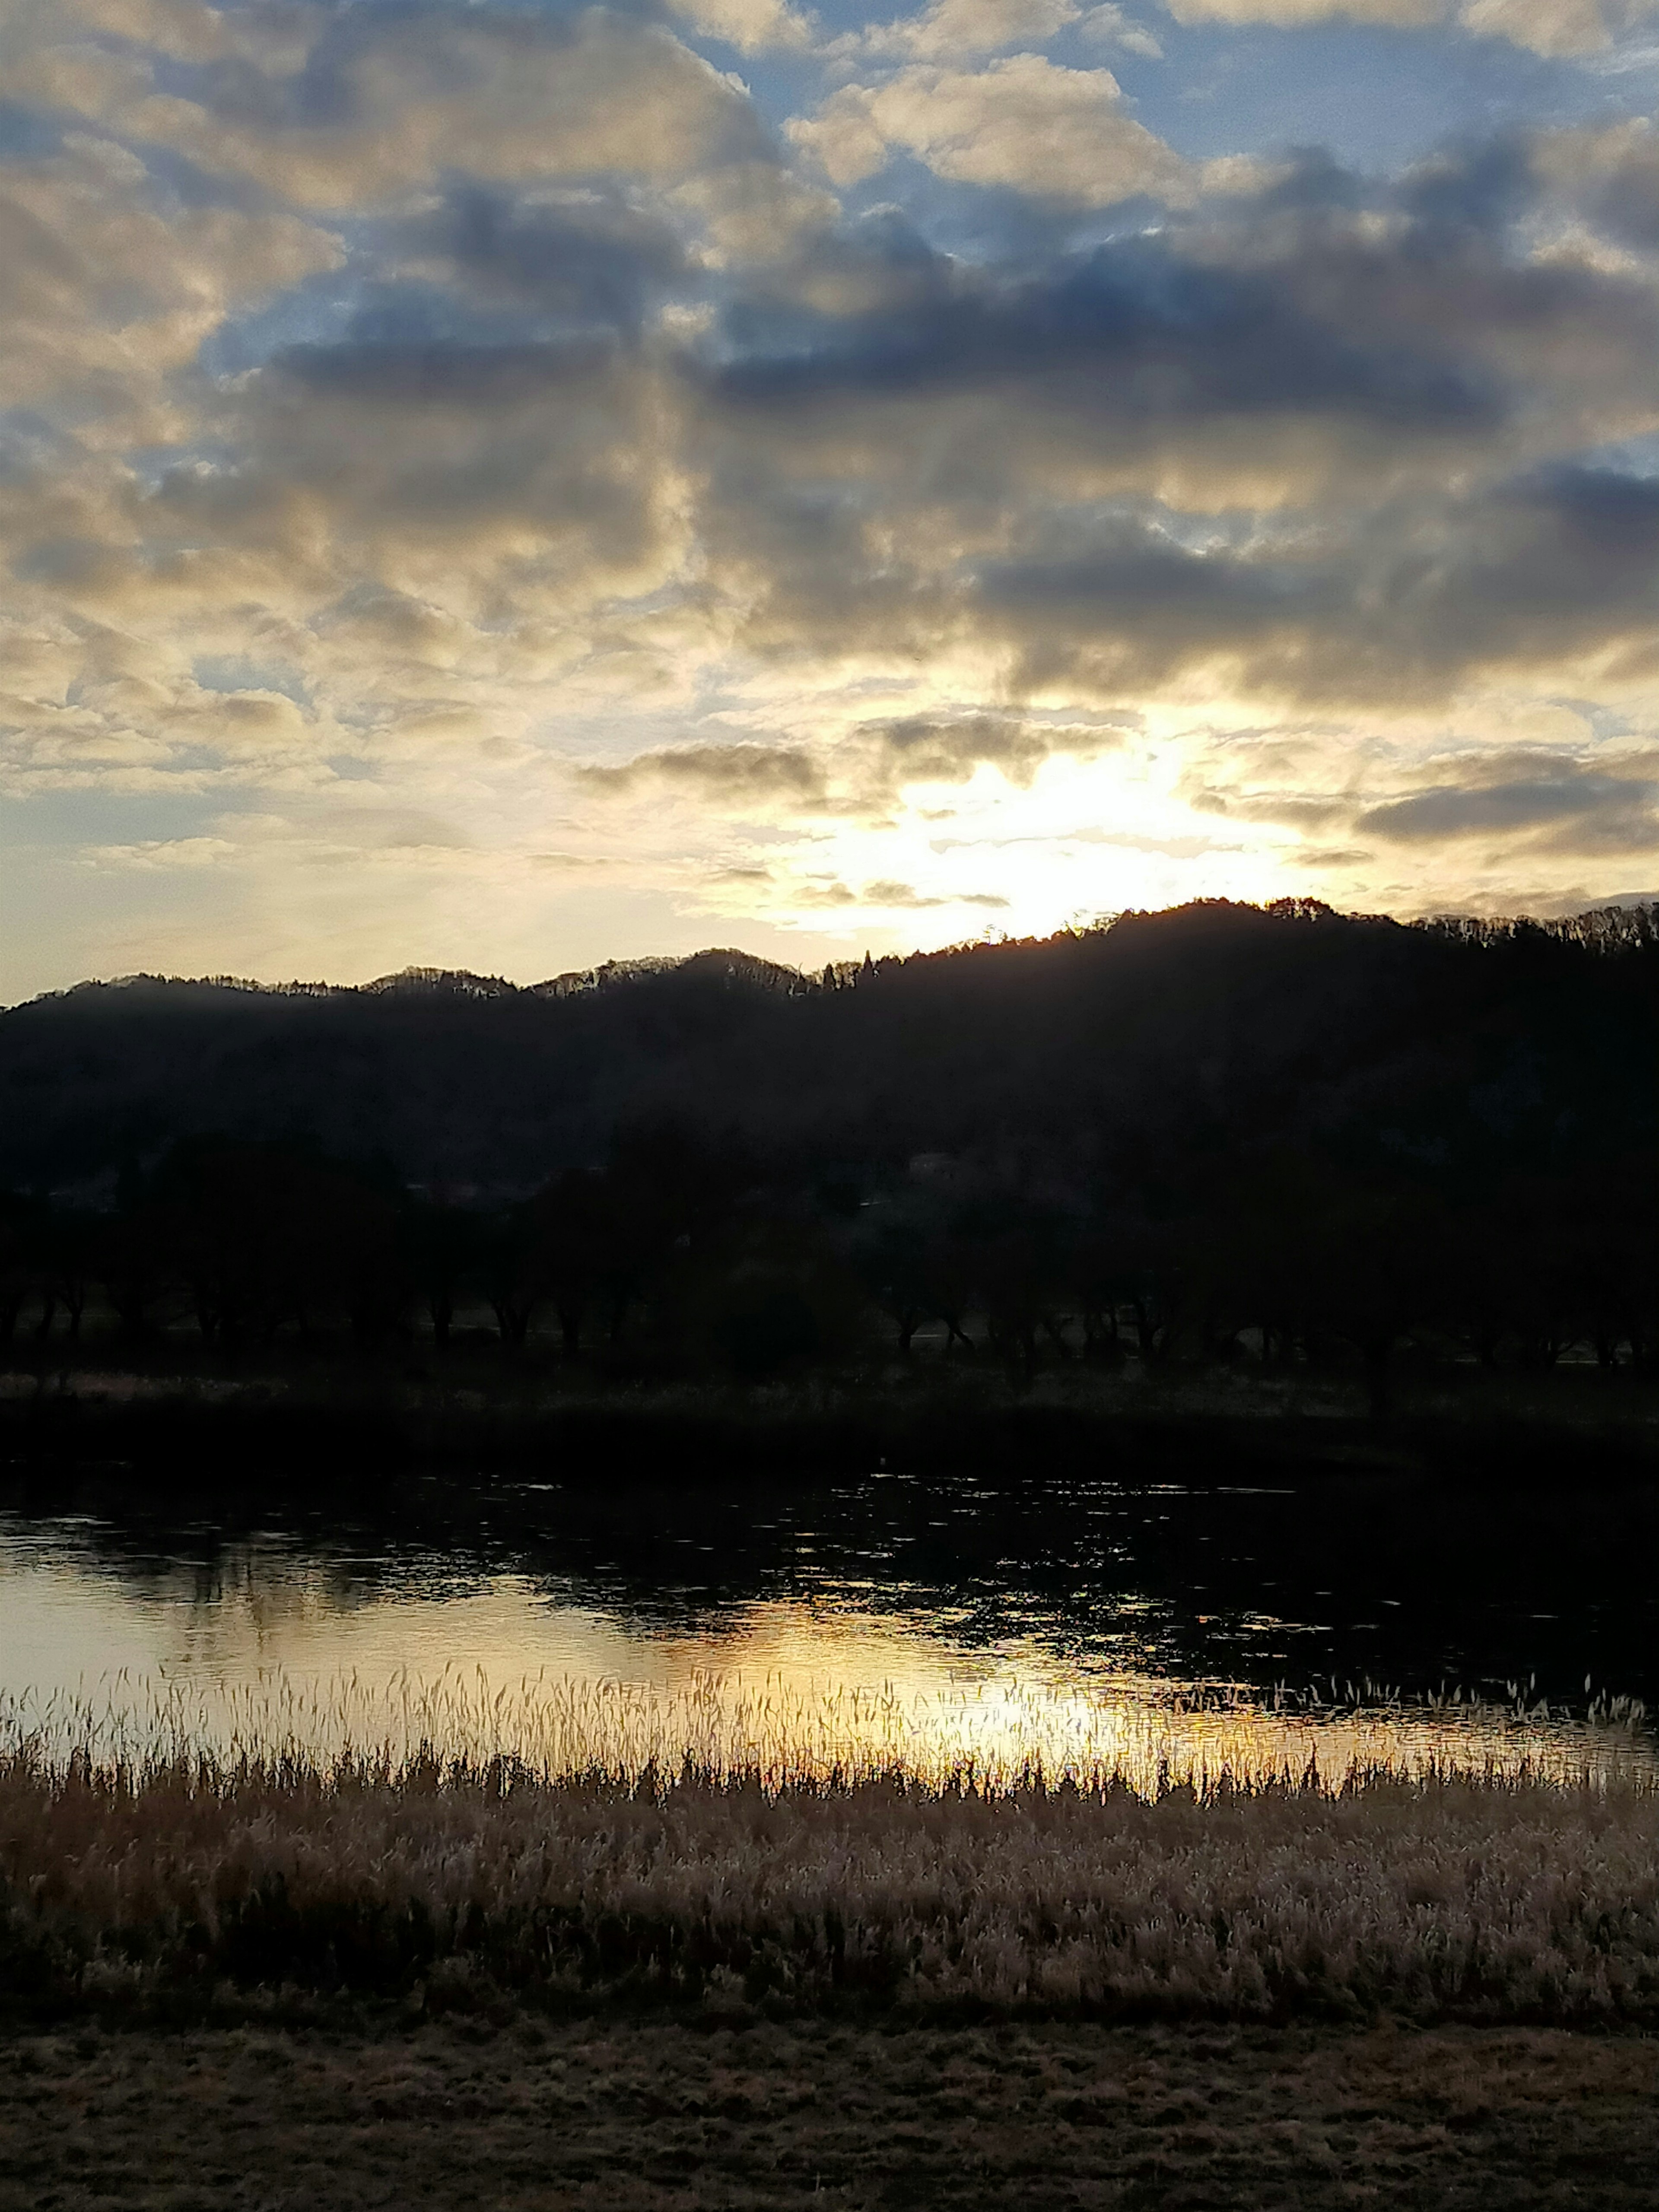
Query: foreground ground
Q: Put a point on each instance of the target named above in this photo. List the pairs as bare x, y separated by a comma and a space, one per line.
656, 2115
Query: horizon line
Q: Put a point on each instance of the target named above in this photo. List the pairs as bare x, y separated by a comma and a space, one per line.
576, 981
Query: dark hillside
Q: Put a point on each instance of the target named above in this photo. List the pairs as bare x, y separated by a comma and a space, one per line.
457, 1077
1214, 1136
1166, 1035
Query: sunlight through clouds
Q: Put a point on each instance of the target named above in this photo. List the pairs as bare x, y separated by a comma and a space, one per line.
931, 480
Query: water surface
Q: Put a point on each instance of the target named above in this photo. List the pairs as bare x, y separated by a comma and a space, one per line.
1194, 1626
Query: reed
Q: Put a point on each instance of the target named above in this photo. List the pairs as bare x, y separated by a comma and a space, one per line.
435, 1876
782, 1729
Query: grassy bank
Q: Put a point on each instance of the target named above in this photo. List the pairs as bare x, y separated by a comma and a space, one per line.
640, 2116
197, 1888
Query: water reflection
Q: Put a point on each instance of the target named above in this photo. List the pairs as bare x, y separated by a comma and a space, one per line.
793, 1640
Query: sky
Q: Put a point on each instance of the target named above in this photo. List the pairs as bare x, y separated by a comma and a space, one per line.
506, 485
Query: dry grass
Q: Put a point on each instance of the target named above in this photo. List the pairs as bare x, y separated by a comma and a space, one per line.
643, 2115
1439, 1897
706, 1991
786, 1728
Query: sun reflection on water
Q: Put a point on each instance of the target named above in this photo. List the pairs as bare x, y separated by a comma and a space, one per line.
278, 1652
787, 1723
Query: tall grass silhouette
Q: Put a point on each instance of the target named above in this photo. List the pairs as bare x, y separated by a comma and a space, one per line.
441, 1844
782, 1729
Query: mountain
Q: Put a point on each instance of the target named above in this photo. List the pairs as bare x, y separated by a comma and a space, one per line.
1199, 1033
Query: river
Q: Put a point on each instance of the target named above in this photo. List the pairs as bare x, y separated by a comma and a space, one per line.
1186, 1629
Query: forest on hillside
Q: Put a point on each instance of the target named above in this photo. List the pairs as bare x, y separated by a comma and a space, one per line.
1276, 1135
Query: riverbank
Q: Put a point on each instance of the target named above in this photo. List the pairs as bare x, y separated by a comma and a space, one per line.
310, 1425
639, 2116
285, 1986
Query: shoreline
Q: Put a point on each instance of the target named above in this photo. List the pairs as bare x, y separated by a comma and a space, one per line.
305, 1424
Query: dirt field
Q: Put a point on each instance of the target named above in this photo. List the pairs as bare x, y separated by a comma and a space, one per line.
654, 2115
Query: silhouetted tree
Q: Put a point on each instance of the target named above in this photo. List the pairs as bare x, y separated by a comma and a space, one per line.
442, 1241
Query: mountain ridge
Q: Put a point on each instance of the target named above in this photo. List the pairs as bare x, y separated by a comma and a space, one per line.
1146, 1033
1632, 922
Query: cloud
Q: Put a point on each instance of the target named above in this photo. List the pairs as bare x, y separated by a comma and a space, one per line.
1543, 571
1290, 15
902, 895
338, 105
159, 855
1108, 26
887, 894
1553, 27
742, 776
951, 30
1465, 812
866, 770
1609, 175
1546, 27
104, 294
1024, 123
1140, 334
892, 756
454, 395
956, 30
751, 26
1264, 394
588, 257
1303, 440
1570, 805
385, 484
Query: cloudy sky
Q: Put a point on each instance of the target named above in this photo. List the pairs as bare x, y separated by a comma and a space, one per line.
502, 485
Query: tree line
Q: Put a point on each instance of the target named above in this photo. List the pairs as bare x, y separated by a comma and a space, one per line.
689, 1253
